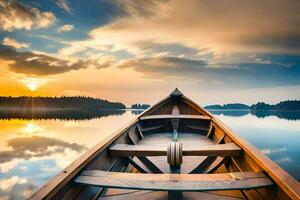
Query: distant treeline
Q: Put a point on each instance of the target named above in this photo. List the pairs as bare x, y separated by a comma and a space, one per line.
283, 105
73, 103
261, 106
140, 106
63, 114
228, 106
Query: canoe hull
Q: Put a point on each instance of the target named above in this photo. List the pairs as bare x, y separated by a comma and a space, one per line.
145, 126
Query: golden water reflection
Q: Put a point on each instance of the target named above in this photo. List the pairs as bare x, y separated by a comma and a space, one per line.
33, 151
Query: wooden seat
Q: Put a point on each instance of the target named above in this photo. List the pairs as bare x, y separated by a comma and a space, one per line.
149, 117
229, 149
175, 182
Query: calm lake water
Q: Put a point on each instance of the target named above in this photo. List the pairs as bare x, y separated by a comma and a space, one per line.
33, 151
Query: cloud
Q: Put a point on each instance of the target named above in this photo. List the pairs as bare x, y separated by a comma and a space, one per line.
14, 43
224, 72
16, 188
135, 8
166, 66
36, 146
14, 15
63, 4
261, 27
41, 64
66, 28
7, 184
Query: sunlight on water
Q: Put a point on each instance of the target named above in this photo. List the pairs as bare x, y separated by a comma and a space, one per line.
33, 151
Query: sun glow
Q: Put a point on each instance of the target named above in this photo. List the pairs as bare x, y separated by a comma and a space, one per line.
30, 128
33, 83
32, 86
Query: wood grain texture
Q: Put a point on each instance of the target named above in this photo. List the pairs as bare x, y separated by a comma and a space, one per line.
198, 128
151, 128
285, 182
252, 159
175, 182
229, 149
199, 117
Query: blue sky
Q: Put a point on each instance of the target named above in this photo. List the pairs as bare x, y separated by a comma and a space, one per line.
119, 49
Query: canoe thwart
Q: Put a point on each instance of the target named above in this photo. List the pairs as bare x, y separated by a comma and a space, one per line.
199, 117
175, 182
228, 149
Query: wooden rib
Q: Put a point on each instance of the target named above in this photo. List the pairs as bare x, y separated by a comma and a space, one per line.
152, 128
149, 117
215, 165
210, 130
138, 127
210, 164
203, 165
197, 128
175, 182
229, 149
150, 165
131, 139
138, 165
221, 139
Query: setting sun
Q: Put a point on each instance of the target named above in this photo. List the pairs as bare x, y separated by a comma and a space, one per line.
32, 86
33, 83
30, 128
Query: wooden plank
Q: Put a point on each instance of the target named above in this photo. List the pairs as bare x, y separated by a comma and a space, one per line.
229, 149
203, 165
199, 117
215, 165
139, 130
210, 130
121, 194
138, 165
197, 128
93, 192
151, 128
175, 182
150, 165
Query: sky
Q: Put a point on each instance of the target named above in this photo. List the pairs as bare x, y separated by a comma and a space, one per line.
139, 51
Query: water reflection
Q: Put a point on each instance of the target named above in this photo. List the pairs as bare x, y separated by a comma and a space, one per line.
274, 136
36, 146
62, 114
33, 151
261, 114
137, 111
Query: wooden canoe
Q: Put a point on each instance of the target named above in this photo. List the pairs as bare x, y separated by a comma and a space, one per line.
173, 150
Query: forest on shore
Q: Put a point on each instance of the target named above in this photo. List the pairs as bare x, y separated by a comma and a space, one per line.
58, 103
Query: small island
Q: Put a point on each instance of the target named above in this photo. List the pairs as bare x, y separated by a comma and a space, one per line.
138, 106
282, 106
289, 105
231, 106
